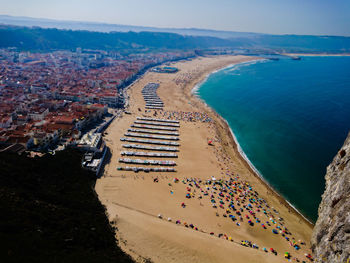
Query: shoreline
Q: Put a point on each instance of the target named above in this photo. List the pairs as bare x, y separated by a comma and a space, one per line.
196, 87
260, 176
242, 154
133, 200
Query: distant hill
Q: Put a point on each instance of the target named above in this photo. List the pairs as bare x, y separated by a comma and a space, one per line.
46, 34
104, 27
50, 38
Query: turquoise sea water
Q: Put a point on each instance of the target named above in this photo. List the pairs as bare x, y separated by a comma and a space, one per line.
290, 118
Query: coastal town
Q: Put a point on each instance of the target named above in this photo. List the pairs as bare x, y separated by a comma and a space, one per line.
51, 100
58, 100
64, 99
174, 132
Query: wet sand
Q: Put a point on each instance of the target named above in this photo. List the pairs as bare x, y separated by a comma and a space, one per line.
134, 200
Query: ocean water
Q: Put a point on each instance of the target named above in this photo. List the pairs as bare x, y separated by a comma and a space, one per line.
290, 117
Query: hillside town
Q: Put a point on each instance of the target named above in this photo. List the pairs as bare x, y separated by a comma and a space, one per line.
51, 100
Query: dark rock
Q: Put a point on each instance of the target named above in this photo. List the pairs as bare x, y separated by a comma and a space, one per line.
330, 241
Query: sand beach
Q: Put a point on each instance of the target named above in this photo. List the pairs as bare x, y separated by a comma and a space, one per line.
214, 208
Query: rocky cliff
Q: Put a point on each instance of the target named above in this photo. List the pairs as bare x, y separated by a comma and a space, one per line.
331, 235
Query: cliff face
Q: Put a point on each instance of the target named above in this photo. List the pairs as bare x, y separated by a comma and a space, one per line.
331, 235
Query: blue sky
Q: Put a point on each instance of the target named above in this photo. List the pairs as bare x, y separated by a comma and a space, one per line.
317, 17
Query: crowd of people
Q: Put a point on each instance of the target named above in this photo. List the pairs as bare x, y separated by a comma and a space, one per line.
188, 116
184, 78
237, 201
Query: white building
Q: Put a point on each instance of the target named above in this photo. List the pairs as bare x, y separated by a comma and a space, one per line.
38, 116
91, 142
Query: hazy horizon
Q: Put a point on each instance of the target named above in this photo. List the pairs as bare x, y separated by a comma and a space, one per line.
271, 17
